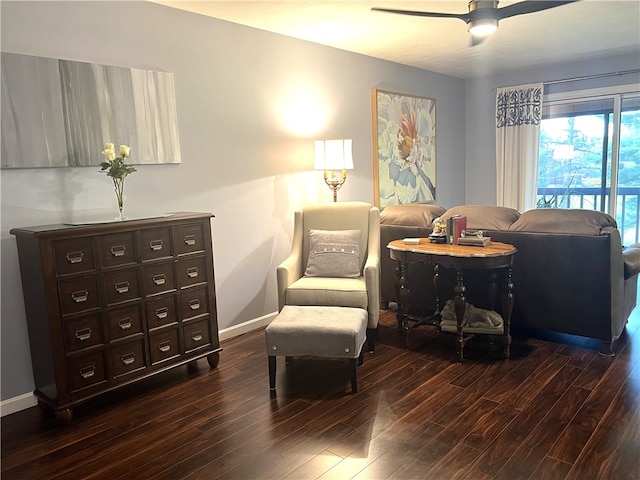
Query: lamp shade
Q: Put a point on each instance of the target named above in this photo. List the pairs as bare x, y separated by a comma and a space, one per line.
333, 155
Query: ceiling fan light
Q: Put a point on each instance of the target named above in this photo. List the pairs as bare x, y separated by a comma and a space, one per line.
483, 27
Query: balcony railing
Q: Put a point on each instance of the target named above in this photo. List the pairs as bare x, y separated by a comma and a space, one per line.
628, 205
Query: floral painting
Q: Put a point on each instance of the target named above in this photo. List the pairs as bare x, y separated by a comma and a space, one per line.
404, 132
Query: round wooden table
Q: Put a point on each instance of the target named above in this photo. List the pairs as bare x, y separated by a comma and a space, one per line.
459, 257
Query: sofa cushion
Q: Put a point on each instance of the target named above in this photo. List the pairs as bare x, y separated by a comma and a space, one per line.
414, 214
560, 220
327, 291
338, 332
334, 253
485, 217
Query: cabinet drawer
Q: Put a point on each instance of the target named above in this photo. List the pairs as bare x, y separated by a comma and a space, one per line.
191, 271
73, 256
117, 249
79, 295
188, 239
155, 244
158, 279
196, 335
127, 358
82, 332
121, 286
161, 312
85, 371
124, 322
193, 303
164, 345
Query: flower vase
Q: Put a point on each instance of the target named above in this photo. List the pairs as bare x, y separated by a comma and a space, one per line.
118, 184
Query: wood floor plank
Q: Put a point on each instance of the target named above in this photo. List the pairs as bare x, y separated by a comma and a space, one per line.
507, 443
573, 440
609, 434
533, 450
554, 411
315, 467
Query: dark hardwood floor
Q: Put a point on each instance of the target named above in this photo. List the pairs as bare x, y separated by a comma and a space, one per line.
556, 410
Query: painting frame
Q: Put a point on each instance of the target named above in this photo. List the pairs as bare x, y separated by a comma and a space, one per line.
60, 113
404, 148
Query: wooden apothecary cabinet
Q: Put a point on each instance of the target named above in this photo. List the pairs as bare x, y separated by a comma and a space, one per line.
112, 303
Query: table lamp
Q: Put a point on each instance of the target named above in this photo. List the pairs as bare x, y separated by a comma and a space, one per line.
335, 158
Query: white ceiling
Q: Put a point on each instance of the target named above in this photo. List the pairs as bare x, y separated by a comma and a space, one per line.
580, 30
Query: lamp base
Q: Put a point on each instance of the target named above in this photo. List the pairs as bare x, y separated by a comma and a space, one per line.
334, 181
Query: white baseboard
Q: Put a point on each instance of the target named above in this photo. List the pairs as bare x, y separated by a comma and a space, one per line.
15, 404
246, 327
28, 400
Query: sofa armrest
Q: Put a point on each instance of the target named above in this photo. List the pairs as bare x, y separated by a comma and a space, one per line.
631, 259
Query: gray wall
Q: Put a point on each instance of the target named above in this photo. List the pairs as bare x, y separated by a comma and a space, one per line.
250, 104
480, 161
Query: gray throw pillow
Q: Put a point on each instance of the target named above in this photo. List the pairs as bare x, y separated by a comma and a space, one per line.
333, 253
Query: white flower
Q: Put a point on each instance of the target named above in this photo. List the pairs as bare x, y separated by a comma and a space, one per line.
124, 150
109, 153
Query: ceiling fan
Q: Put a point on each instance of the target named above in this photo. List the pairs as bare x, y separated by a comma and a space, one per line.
484, 15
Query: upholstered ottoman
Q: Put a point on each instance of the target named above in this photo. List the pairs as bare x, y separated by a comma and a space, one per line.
337, 332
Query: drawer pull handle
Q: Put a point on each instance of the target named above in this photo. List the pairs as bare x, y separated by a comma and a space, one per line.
122, 287
192, 272
194, 304
118, 250
84, 334
196, 336
190, 240
128, 358
160, 279
75, 257
155, 245
125, 323
80, 296
162, 312
165, 346
88, 372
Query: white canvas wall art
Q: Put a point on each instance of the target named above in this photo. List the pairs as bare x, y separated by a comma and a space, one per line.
59, 113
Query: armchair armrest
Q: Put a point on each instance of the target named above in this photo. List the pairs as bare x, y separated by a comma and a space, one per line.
290, 269
631, 260
371, 270
287, 273
372, 281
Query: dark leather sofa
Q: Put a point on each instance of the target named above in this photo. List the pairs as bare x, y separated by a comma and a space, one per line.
571, 273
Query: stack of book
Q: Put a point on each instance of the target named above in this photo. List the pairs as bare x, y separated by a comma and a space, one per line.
476, 241
455, 226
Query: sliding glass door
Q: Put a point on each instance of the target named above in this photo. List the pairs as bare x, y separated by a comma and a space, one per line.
590, 157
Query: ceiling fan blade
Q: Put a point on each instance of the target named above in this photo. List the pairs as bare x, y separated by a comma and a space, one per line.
528, 7
461, 16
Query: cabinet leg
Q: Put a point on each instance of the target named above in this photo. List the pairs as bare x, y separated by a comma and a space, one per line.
43, 406
64, 415
213, 359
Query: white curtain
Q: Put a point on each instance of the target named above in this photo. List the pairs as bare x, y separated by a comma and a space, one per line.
518, 114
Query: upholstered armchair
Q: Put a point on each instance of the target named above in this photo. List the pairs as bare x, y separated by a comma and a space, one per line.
334, 260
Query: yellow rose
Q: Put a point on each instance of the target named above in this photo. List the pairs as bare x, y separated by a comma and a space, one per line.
108, 152
124, 150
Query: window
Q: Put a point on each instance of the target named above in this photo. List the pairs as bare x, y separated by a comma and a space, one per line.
589, 150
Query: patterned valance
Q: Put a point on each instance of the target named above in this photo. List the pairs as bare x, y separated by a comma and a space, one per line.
519, 105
